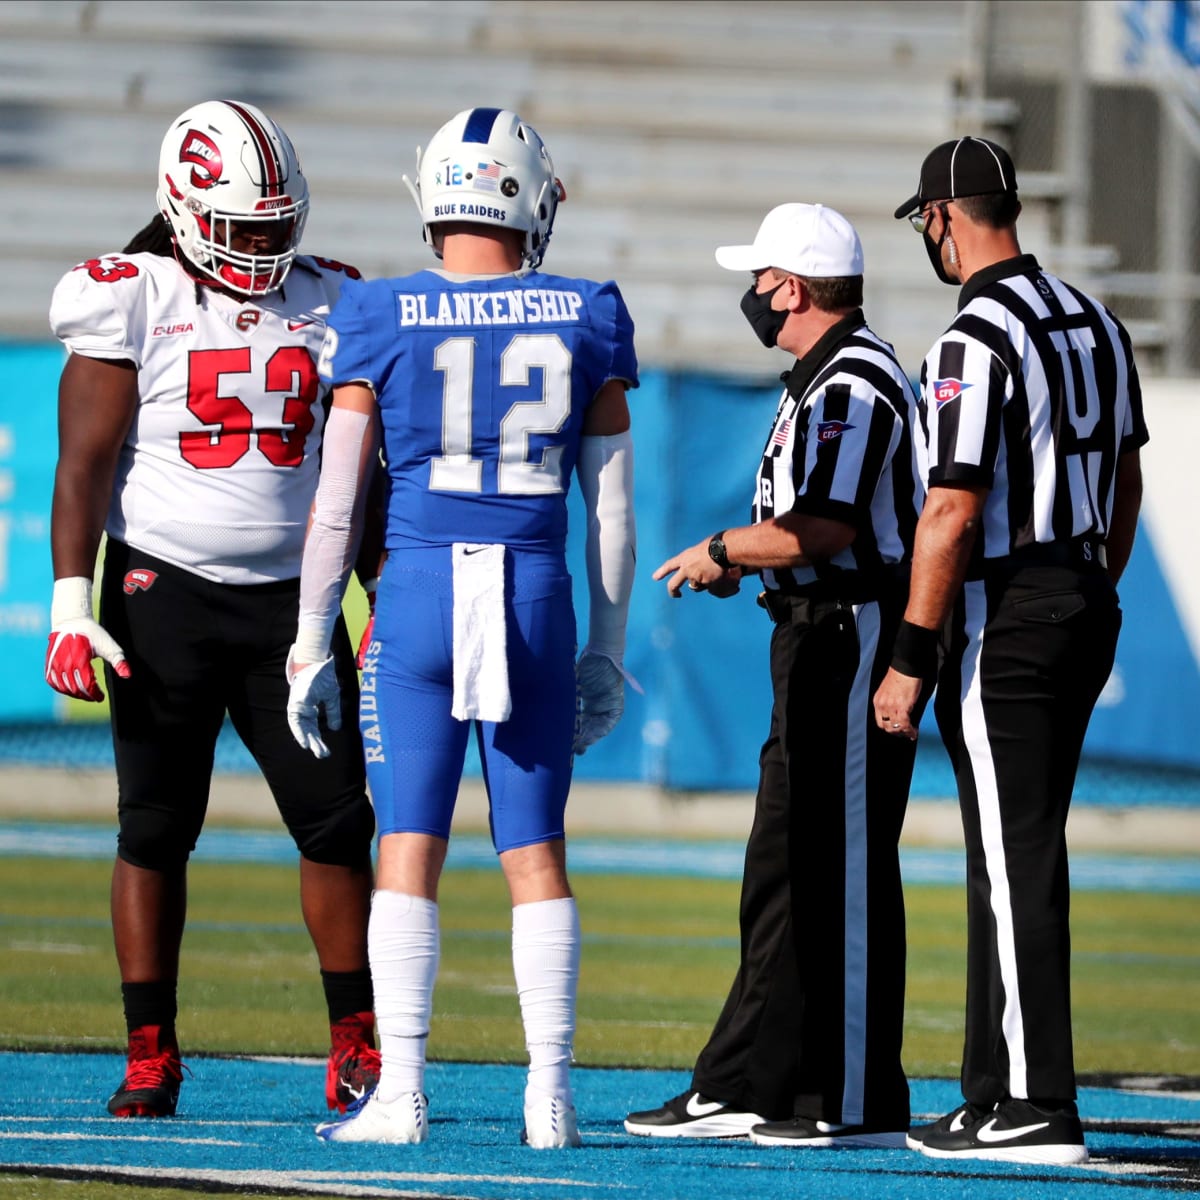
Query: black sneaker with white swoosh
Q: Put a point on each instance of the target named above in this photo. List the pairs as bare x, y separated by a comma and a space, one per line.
1015, 1131
965, 1114
692, 1115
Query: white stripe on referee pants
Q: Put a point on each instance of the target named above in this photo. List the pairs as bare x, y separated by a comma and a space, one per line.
983, 768
854, 1030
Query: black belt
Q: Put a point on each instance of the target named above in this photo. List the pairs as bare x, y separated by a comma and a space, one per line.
781, 606
1080, 554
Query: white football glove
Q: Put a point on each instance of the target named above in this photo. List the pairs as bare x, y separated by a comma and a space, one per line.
75, 639
313, 688
600, 685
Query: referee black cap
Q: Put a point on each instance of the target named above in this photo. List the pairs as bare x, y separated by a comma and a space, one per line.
967, 166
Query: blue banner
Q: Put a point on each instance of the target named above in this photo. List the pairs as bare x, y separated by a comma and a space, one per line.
28, 450
702, 663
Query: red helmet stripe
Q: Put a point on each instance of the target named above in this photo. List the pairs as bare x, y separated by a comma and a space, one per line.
271, 166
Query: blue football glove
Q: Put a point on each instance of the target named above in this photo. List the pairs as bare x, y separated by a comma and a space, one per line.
600, 685
313, 688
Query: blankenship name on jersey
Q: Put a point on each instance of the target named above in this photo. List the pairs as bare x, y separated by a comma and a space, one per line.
518, 306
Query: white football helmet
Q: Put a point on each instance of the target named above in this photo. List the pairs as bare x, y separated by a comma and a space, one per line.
487, 165
227, 170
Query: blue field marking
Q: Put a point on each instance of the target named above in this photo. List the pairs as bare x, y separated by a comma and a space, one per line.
596, 855
247, 1124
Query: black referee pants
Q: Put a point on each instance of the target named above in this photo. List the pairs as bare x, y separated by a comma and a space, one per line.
1030, 651
807, 1028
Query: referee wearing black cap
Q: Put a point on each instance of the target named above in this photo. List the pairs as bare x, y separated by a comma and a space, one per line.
1031, 417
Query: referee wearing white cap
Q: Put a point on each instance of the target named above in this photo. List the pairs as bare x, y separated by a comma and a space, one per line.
1031, 418
806, 1052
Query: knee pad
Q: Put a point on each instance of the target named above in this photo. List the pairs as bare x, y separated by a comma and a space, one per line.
340, 836
155, 840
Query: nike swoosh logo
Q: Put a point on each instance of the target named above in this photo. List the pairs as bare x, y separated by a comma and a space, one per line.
960, 1120
476, 550
989, 1132
294, 325
696, 1107
356, 1092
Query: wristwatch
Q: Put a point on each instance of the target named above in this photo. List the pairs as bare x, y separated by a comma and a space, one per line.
716, 551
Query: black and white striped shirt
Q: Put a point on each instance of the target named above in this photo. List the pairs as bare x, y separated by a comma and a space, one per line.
841, 447
1032, 392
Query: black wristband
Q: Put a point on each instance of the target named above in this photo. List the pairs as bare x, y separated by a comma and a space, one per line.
915, 650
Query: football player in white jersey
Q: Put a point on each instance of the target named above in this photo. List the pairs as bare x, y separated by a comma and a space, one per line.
190, 423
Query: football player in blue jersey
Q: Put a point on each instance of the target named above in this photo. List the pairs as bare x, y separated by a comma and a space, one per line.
487, 384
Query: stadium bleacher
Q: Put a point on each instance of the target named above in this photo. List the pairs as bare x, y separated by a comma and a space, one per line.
673, 127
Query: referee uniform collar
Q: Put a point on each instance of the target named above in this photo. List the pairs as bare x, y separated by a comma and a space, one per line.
801, 374
1022, 264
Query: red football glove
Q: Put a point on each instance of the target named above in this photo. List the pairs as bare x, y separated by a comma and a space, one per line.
75, 639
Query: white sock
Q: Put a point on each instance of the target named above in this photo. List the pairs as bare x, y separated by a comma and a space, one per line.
546, 966
402, 942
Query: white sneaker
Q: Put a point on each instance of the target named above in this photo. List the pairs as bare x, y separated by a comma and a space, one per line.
400, 1122
550, 1124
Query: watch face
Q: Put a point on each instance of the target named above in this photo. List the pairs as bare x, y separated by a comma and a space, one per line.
716, 551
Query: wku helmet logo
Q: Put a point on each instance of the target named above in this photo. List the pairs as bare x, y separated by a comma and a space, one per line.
201, 151
945, 390
828, 431
139, 579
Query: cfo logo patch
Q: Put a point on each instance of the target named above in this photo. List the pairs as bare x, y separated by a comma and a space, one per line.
139, 580
945, 390
830, 431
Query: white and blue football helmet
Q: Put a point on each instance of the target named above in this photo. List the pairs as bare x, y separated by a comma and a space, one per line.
487, 165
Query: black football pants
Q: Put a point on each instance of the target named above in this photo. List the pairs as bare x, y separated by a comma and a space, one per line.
198, 650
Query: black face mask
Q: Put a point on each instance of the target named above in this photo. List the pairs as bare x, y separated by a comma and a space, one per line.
934, 250
764, 320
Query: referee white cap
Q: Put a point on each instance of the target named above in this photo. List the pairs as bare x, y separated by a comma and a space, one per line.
803, 239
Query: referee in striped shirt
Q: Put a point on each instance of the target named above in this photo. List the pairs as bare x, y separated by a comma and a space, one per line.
806, 1051
1031, 416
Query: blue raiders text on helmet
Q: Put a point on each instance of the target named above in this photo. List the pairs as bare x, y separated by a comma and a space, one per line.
486, 165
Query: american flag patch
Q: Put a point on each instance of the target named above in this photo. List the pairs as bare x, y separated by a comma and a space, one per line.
487, 176
781, 434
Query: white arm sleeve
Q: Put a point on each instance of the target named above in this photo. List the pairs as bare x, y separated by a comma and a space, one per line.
334, 529
605, 471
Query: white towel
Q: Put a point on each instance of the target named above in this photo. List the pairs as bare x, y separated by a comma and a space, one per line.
480, 643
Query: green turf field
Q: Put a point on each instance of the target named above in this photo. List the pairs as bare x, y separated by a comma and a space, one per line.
659, 954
